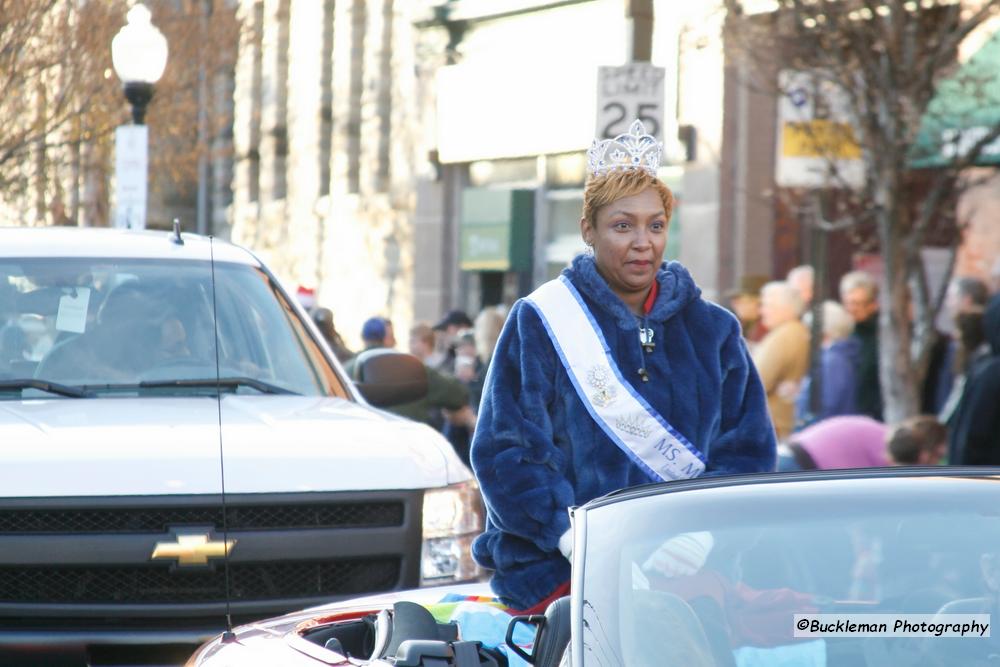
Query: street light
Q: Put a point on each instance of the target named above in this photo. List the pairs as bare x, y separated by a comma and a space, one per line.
139, 54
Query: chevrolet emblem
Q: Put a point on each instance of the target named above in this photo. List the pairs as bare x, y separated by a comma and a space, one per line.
192, 549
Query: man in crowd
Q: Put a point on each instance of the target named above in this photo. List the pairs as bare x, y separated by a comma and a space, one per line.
975, 426
446, 398
801, 278
448, 328
918, 441
376, 333
859, 295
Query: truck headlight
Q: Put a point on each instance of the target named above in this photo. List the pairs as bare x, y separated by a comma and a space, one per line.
452, 518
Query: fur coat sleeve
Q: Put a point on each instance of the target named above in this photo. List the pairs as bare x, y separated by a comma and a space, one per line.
745, 440
521, 471
521, 463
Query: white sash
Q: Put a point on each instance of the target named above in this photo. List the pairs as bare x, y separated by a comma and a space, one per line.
624, 415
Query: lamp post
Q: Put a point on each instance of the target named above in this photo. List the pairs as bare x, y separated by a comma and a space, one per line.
139, 55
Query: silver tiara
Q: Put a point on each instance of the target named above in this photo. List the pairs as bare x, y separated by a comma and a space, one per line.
633, 150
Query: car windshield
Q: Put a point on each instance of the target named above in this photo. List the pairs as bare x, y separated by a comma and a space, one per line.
716, 576
78, 327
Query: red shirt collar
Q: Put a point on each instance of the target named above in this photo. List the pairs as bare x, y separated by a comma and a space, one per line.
647, 305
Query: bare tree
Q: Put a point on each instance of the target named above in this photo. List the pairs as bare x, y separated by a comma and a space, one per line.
203, 36
60, 101
888, 58
53, 91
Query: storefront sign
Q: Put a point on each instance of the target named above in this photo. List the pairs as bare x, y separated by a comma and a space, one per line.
496, 229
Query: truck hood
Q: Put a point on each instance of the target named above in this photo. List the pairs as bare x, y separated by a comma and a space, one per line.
269, 444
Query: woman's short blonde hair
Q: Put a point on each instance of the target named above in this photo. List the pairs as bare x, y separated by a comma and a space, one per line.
610, 187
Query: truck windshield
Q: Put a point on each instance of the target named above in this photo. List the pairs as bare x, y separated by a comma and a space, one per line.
147, 326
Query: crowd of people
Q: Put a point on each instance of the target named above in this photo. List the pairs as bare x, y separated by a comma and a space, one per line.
960, 395
456, 352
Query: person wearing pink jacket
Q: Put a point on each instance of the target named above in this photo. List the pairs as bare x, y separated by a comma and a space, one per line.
849, 441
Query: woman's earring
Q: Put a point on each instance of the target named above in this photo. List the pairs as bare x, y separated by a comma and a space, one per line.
590, 249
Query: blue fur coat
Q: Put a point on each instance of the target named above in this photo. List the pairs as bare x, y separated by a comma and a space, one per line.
537, 451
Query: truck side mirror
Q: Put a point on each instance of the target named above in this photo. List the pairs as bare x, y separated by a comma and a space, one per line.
386, 377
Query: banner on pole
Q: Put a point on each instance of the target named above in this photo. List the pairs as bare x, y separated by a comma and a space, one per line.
131, 157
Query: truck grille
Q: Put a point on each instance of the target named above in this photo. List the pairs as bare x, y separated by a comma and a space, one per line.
238, 517
248, 581
77, 556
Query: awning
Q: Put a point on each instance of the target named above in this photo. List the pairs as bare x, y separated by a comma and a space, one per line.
965, 108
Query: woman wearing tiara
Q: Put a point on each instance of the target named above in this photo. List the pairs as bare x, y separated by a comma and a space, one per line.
615, 374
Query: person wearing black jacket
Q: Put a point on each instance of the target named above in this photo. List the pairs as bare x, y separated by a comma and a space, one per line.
975, 429
859, 295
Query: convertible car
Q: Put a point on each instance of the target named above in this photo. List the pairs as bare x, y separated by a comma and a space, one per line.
697, 573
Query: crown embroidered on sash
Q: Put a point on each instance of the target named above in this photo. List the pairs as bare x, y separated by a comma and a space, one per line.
635, 424
633, 150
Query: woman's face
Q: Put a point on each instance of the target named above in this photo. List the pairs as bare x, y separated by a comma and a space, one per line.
628, 237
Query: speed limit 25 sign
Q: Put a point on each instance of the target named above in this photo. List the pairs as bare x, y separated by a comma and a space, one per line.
626, 93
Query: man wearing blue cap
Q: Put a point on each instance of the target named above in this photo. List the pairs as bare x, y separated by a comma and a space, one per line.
377, 332
444, 393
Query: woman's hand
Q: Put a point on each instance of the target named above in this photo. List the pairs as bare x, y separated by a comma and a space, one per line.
566, 544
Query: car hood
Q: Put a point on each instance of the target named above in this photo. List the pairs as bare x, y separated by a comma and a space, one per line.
269, 444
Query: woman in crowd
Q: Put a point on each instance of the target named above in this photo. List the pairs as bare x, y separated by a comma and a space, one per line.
782, 358
838, 359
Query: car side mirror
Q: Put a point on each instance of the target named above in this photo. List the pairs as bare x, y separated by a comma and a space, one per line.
386, 377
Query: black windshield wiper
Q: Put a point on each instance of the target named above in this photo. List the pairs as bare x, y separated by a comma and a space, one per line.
44, 385
226, 382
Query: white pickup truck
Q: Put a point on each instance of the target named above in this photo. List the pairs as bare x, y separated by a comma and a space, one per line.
178, 443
